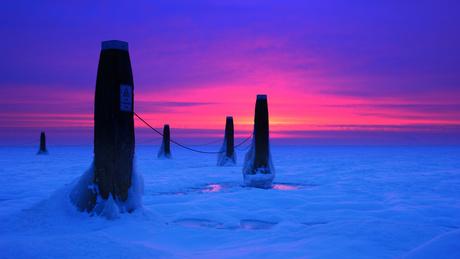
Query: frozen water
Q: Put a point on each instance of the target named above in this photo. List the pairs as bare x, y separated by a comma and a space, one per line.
332, 202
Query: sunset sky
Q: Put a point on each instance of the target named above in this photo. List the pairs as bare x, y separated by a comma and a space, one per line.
335, 72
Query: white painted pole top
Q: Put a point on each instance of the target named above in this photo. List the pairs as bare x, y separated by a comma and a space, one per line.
230, 117
261, 96
114, 44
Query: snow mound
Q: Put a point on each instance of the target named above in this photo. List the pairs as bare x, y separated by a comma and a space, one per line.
83, 192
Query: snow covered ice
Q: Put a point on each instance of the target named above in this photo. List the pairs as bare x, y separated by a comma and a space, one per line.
326, 202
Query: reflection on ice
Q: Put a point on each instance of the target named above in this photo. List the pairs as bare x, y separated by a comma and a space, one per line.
285, 187
231, 187
214, 188
202, 223
256, 224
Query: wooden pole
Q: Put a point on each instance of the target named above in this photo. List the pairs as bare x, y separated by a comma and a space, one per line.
42, 149
229, 136
113, 121
166, 141
261, 138
258, 169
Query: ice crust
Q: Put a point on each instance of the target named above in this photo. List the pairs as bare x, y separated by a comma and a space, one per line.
109, 208
223, 159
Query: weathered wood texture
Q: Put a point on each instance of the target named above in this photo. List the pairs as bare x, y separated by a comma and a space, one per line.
113, 129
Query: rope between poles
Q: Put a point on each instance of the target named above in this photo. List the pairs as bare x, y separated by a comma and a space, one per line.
191, 149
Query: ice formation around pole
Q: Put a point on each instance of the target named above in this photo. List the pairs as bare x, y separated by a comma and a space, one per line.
223, 159
162, 154
85, 194
263, 177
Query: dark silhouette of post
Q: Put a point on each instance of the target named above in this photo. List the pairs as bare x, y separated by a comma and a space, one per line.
229, 136
165, 150
258, 169
42, 150
261, 138
226, 155
113, 121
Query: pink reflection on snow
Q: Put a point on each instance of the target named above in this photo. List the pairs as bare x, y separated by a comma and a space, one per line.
214, 188
285, 187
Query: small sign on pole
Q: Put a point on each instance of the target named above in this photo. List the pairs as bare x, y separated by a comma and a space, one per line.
126, 98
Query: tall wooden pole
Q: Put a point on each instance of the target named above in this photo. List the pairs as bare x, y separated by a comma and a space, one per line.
229, 136
261, 138
258, 169
167, 140
113, 121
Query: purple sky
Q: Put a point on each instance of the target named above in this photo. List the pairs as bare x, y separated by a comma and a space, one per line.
335, 72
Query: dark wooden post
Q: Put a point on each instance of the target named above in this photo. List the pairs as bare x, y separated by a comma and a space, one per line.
258, 169
229, 136
226, 155
42, 150
261, 130
113, 121
165, 150
166, 139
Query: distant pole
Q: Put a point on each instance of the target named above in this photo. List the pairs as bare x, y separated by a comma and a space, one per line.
229, 136
261, 133
167, 139
113, 121
42, 149
165, 150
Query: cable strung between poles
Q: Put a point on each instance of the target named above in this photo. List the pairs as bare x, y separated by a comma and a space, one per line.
244, 140
207, 144
191, 149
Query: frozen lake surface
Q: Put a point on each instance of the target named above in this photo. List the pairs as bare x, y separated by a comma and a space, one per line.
327, 202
